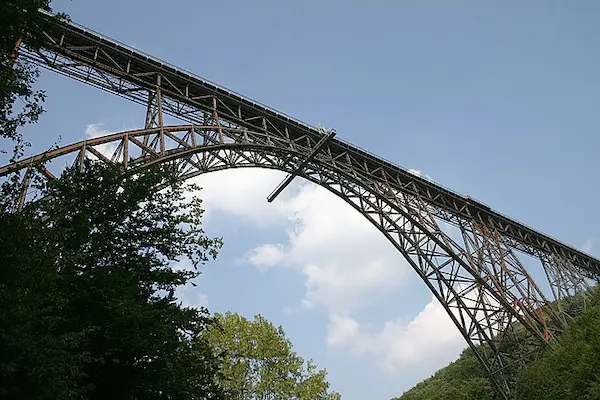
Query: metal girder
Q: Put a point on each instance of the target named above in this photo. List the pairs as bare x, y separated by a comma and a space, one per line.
477, 277
566, 284
479, 282
87, 56
500, 264
298, 169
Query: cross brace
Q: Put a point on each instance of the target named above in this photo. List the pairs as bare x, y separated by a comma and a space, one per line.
302, 165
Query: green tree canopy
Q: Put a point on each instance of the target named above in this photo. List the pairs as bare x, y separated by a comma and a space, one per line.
87, 305
260, 364
20, 22
463, 379
572, 371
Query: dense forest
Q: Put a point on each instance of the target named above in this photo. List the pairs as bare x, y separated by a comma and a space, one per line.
571, 371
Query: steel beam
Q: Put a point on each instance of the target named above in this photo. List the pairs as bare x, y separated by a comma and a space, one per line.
478, 281
87, 56
299, 168
478, 278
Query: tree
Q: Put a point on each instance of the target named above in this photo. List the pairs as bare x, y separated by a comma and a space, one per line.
87, 305
20, 22
463, 379
571, 371
567, 372
260, 364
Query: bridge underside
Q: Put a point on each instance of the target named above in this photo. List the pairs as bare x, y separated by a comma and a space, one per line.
476, 276
469, 256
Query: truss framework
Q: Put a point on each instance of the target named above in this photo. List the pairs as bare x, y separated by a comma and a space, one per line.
566, 284
479, 282
477, 278
102, 62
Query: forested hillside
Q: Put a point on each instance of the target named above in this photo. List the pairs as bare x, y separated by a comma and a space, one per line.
572, 371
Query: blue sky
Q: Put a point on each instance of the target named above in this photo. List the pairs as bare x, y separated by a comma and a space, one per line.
493, 99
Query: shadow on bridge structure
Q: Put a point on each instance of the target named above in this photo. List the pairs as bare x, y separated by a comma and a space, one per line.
477, 276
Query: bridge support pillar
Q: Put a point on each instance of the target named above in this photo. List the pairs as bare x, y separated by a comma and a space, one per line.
155, 118
531, 321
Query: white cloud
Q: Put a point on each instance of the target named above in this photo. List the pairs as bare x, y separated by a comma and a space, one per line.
267, 255
342, 331
95, 130
243, 193
429, 338
304, 305
192, 296
419, 173
588, 245
98, 130
343, 257
346, 263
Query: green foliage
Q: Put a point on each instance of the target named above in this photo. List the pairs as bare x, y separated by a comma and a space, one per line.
260, 364
572, 371
19, 21
463, 379
334, 396
87, 305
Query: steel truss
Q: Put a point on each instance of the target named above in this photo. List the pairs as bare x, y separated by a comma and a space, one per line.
569, 287
481, 284
477, 276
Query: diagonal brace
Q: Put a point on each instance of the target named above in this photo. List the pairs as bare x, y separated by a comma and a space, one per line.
300, 167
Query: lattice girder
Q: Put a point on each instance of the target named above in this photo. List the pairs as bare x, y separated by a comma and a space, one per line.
84, 55
478, 278
475, 304
570, 288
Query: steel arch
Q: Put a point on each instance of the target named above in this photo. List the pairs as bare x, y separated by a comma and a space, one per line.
485, 296
478, 278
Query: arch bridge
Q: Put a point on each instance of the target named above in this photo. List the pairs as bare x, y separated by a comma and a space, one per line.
478, 275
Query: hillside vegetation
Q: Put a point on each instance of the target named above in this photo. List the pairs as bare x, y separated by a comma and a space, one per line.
571, 371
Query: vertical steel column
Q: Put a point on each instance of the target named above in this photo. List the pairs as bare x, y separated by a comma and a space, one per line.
160, 115
216, 118
154, 119
150, 111
23, 192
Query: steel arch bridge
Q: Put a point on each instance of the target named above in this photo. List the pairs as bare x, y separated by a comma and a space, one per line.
478, 277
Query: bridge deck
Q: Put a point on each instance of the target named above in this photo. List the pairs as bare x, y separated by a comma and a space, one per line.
85, 55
